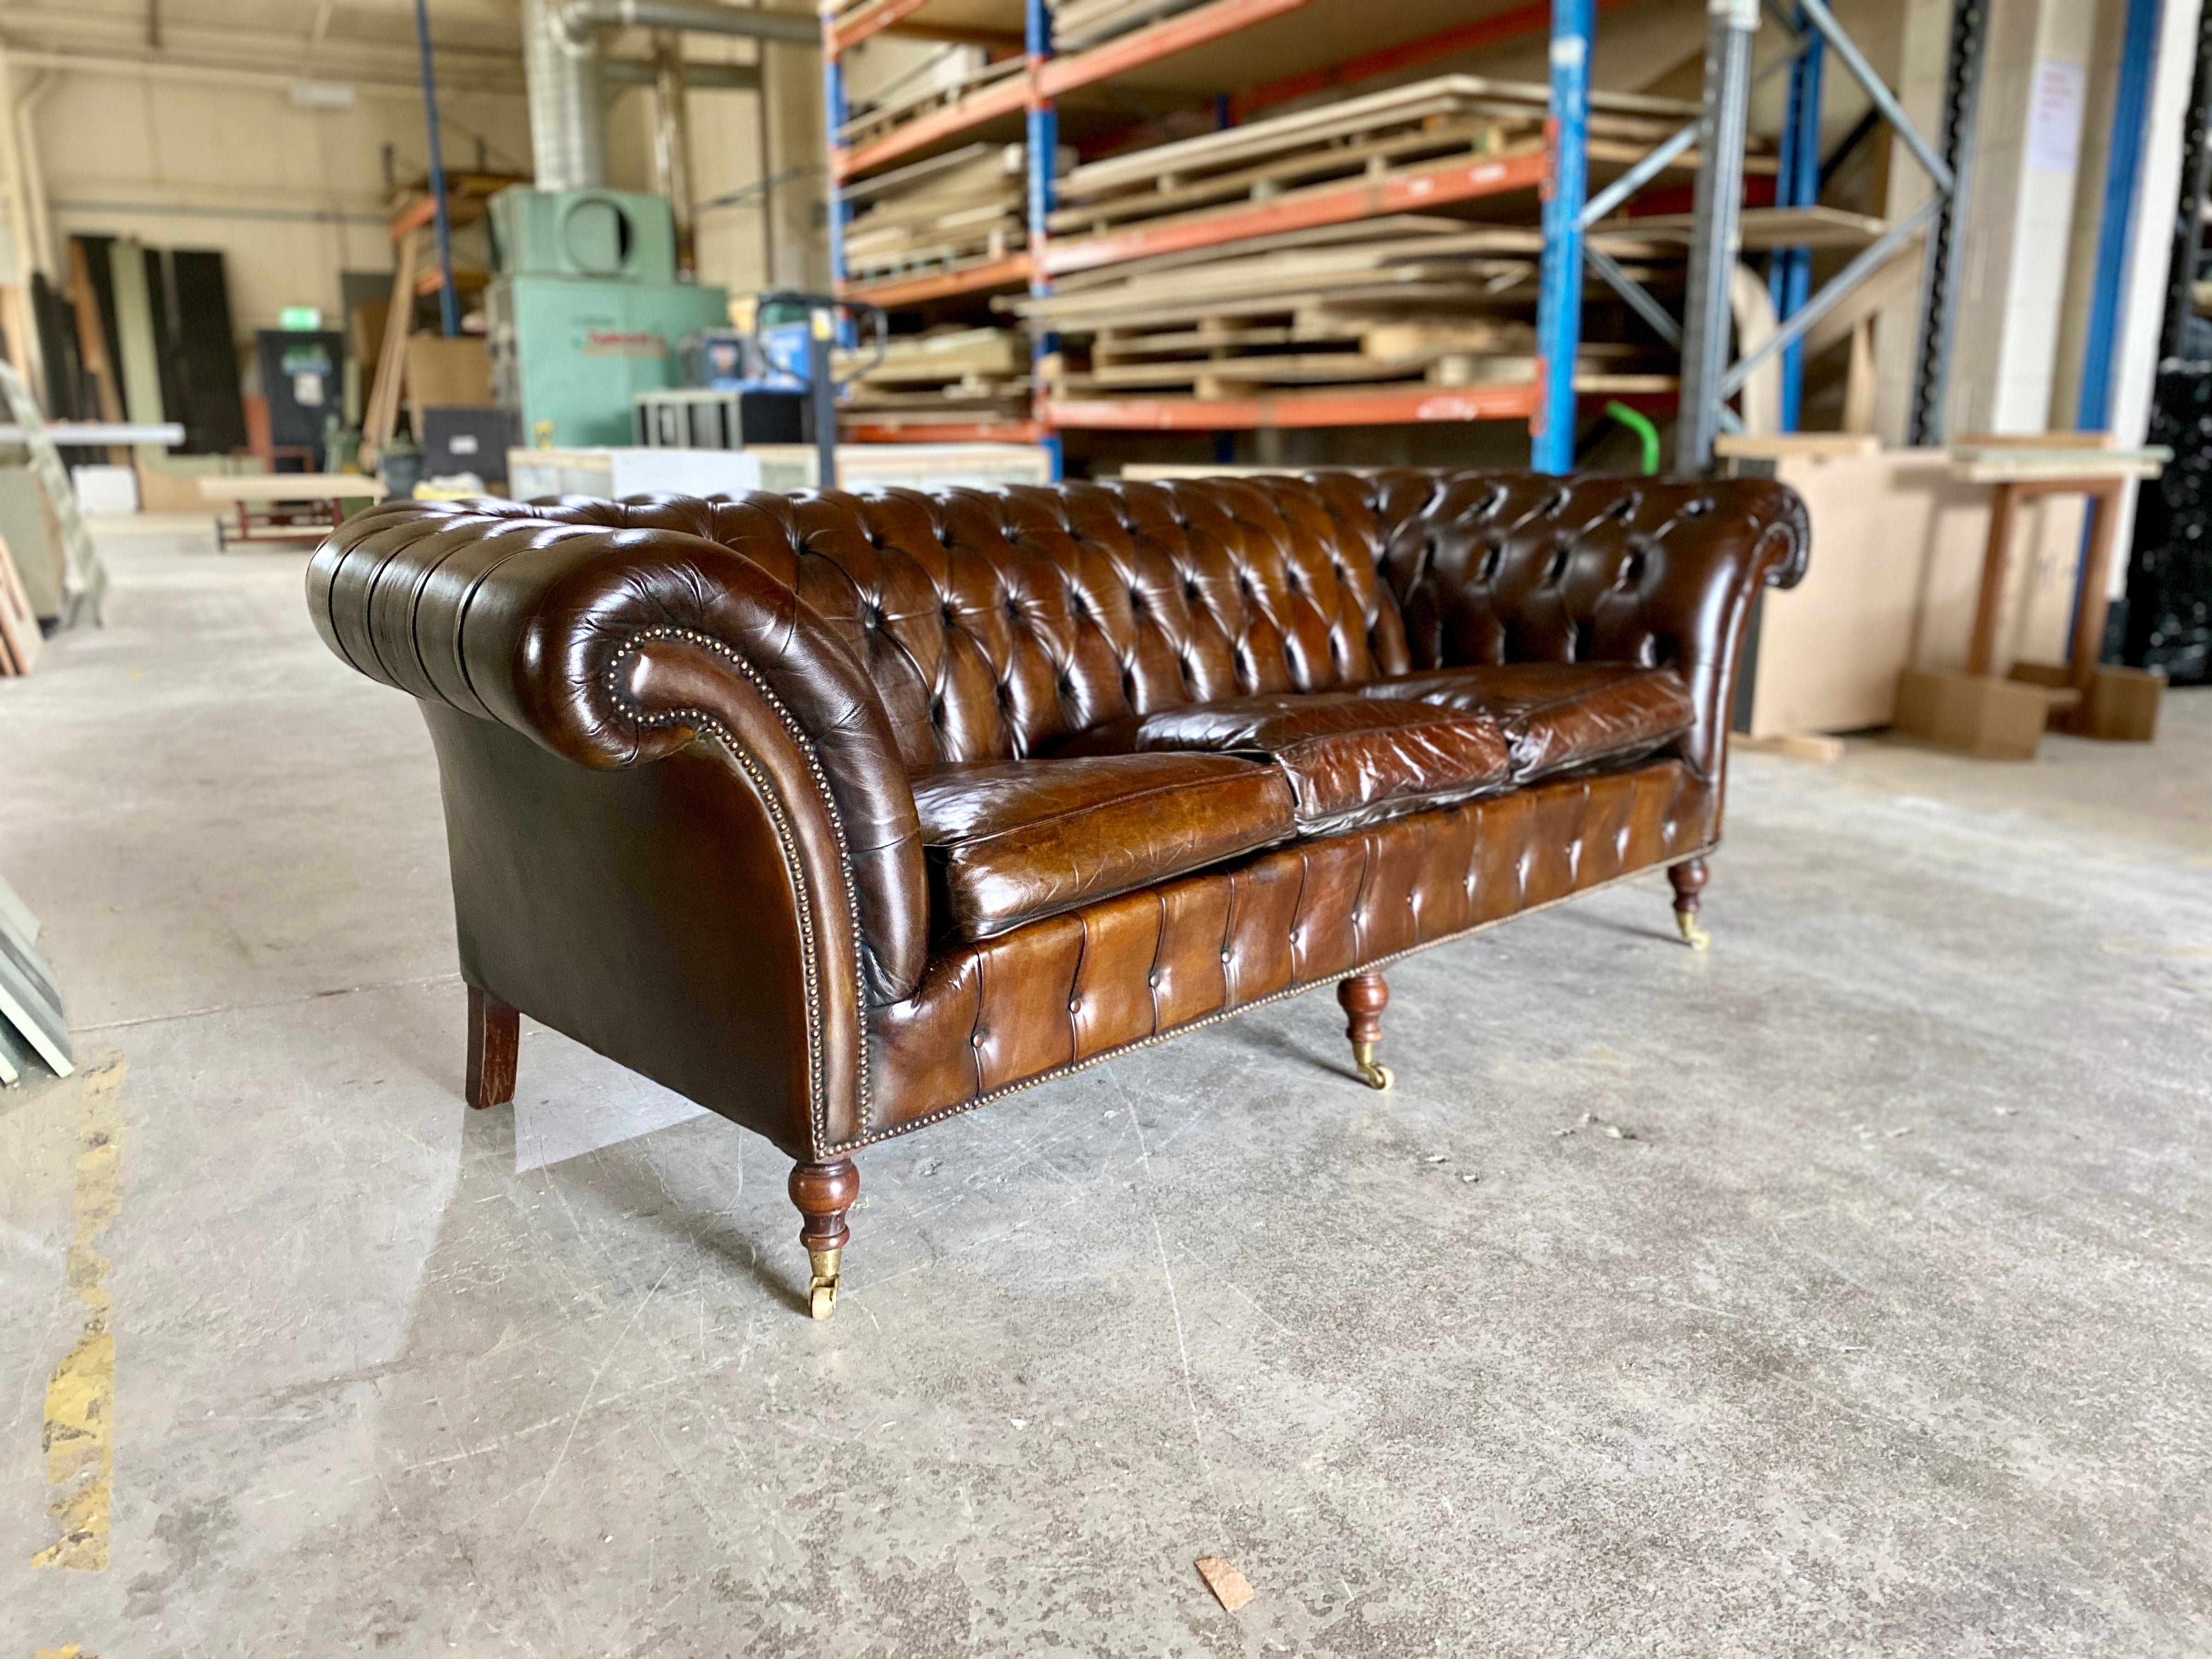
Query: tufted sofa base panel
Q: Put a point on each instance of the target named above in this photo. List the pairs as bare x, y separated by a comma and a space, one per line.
1076, 989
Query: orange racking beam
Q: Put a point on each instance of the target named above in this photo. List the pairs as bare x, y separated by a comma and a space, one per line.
944, 432
1374, 406
1011, 272
885, 14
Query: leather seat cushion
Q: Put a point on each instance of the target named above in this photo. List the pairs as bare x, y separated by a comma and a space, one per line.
1007, 842
1560, 715
1349, 760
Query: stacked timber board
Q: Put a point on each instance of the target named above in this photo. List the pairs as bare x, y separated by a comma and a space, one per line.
1378, 302
1379, 139
941, 216
1079, 23
956, 375
948, 74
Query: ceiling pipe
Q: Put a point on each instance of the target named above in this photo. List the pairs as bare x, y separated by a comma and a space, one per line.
716, 78
579, 18
566, 71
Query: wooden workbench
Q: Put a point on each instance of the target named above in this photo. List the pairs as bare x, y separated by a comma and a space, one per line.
284, 506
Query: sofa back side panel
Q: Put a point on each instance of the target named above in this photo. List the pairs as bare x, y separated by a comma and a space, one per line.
1492, 567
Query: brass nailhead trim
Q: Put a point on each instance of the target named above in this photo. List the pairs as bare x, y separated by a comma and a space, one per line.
817, 1081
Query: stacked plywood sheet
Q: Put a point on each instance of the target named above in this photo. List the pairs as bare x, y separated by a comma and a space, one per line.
1407, 298
945, 78
1079, 23
963, 375
1377, 139
945, 215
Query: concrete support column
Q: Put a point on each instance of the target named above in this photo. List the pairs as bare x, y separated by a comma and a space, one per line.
2021, 217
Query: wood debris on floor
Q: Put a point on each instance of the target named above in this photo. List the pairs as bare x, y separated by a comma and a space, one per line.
1230, 1588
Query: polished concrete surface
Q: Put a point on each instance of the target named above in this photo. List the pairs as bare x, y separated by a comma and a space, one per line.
1881, 1326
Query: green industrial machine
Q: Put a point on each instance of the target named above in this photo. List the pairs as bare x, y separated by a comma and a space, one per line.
587, 310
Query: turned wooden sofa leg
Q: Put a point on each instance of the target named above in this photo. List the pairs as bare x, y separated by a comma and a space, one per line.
1363, 998
495, 1037
1689, 881
823, 1192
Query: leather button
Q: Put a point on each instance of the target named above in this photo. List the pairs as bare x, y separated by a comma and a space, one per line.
1075, 1005
1225, 956
976, 1040
1152, 978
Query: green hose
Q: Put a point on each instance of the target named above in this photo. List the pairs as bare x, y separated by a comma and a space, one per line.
1642, 428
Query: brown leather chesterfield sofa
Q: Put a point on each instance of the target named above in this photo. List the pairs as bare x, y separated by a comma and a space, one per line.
841, 814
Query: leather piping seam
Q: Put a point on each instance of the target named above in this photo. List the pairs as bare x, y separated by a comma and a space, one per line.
817, 1079
1287, 993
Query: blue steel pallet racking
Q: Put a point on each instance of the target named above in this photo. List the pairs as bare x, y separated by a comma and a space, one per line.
1560, 175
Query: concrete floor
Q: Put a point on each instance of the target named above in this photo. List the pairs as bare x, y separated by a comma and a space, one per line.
1882, 1328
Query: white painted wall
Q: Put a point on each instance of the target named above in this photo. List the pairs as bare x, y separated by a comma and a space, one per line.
291, 196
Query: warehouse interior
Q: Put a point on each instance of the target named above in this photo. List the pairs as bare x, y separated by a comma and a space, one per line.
1813, 1260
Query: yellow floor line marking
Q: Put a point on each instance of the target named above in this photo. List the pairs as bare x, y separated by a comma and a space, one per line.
80, 1425
72, 1651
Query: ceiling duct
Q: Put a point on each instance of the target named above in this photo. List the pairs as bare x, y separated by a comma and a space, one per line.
560, 58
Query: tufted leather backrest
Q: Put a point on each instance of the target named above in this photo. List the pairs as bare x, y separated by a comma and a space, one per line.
995, 622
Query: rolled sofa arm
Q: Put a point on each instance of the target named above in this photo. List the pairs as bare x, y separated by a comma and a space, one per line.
1498, 567
598, 630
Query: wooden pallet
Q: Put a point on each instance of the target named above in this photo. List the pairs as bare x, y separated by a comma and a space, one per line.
965, 375
1440, 363
942, 357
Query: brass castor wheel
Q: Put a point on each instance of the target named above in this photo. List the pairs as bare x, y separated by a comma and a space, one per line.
822, 1288
1371, 1072
1693, 935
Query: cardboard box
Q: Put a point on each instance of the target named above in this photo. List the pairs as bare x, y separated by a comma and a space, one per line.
2122, 706
102, 489
1895, 575
2124, 703
443, 373
1979, 714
